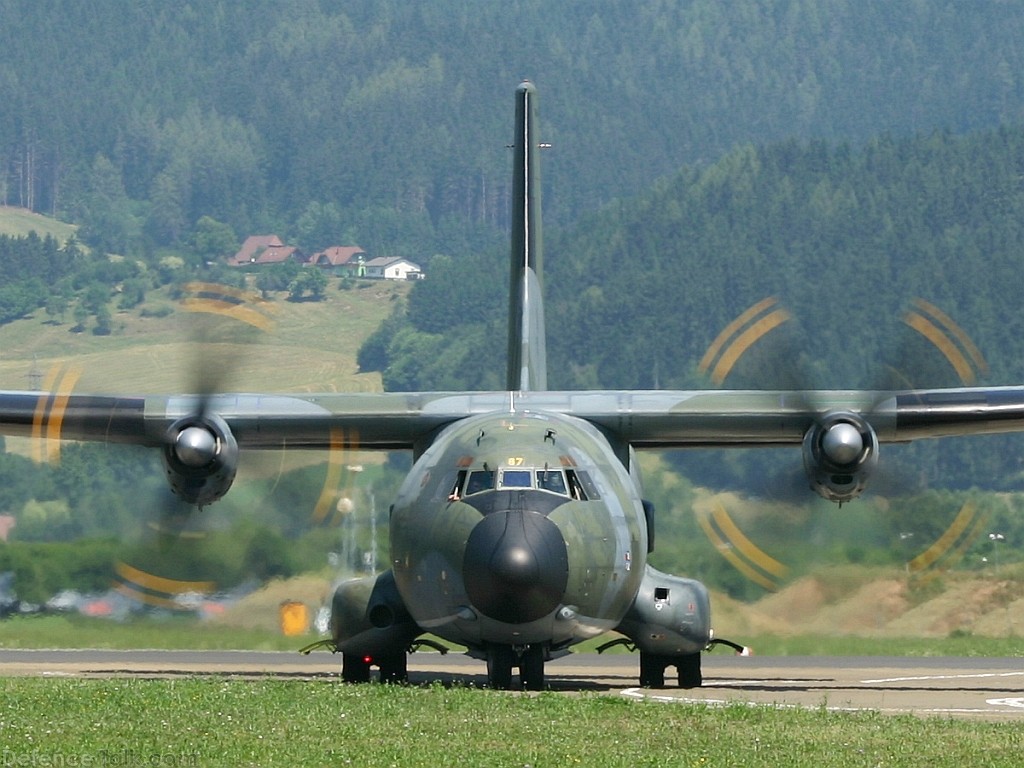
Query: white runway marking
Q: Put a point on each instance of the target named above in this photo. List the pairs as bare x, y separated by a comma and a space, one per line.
1017, 703
922, 678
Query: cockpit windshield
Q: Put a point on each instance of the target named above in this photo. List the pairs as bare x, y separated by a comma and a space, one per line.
551, 480
572, 483
515, 478
479, 481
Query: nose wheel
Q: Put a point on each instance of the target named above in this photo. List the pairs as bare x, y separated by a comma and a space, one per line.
501, 659
499, 667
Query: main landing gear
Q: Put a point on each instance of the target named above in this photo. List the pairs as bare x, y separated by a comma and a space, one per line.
393, 664
394, 667
652, 670
653, 665
501, 659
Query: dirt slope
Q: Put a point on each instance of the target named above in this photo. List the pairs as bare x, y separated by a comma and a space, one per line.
889, 605
843, 602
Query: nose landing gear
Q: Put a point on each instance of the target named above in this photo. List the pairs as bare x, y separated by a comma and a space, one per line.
530, 660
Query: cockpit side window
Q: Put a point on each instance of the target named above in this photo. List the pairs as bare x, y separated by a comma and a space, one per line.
581, 486
460, 479
480, 480
551, 480
516, 478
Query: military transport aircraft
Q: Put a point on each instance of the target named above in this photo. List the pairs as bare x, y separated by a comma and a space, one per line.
521, 528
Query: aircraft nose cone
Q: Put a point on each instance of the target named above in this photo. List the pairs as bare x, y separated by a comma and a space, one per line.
516, 566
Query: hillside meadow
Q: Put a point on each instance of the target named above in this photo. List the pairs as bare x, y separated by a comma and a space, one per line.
311, 347
18, 222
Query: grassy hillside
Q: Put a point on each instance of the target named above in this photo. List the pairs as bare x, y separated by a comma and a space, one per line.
312, 347
18, 222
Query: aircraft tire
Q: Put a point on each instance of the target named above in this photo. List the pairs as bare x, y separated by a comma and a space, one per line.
354, 668
531, 668
652, 670
499, 667
689, 671
394, 669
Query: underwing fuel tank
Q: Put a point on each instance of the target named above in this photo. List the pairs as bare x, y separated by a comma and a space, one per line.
369, 617
671, 615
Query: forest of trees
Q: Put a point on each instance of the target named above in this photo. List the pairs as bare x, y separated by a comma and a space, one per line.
845, 157
385, 123
189, 126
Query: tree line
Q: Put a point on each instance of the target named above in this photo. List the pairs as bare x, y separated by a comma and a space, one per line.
384, 124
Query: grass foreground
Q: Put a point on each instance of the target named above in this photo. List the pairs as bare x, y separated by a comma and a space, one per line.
212, 722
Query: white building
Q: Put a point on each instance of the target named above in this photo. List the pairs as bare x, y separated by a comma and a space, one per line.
393, 268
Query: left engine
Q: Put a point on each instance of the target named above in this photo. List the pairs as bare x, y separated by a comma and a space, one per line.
201, 458
840, 453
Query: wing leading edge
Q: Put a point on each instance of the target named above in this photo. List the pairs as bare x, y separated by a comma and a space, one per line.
645, 419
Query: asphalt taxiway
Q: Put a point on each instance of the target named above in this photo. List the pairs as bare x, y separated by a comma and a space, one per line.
982, 688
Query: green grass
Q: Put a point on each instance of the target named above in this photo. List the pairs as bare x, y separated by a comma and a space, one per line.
212, 722
172, 633
311, 348
18, 222
185, 633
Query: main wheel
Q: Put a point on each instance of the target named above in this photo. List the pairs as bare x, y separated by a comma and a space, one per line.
499, 667
652, 670
394, 668
531, 668
689, 671
354, 668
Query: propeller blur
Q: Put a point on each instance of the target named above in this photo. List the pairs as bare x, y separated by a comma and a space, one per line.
521, 529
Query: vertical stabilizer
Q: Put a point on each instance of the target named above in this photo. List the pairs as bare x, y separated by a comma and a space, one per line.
527, 357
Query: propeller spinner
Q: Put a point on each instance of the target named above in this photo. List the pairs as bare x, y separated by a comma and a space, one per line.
196, 446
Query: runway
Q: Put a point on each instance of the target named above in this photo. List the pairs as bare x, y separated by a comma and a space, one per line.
981, 688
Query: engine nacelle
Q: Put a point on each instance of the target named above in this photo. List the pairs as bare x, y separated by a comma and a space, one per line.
840, 453
201, 458
670, 616
368, 616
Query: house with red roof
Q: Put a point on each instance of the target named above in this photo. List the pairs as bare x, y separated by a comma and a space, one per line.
264, 249
337, 256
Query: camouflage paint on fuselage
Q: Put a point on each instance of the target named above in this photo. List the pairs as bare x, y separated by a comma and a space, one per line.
595, 510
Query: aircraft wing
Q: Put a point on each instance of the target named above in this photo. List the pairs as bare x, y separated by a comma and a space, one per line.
646, 419
723, 418
382, 421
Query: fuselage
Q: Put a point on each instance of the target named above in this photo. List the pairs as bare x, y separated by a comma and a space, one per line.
518, 528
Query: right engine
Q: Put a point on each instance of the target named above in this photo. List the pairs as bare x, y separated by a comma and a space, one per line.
840, 453
201, 457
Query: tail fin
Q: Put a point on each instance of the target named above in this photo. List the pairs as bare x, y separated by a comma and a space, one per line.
527, 357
